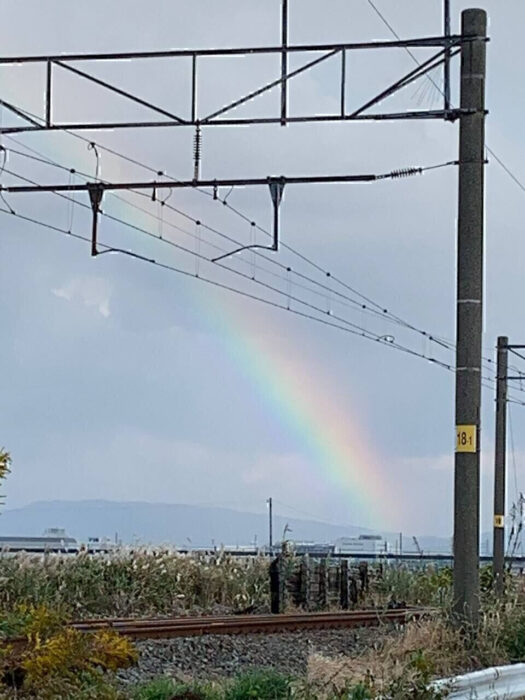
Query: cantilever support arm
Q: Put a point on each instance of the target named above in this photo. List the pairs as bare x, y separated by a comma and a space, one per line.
276, 192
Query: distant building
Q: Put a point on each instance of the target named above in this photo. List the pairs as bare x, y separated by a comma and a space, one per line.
54, 539
47, 543
311, 548
55, 532
364, 544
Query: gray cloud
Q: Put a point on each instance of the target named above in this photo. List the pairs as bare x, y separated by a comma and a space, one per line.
108, 360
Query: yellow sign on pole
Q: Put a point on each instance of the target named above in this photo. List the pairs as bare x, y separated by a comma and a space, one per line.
499, 521
466, 438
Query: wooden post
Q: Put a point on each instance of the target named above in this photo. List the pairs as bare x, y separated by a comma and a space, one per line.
306, 575
343, 584
277, 586
354, 593
323, 584
363, 577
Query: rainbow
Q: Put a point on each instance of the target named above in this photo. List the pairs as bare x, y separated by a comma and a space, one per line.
308, 406
299, 397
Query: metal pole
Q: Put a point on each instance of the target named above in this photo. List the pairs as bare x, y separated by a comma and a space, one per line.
284, 61
469, 320
498, 552
48, 93
270, 523
446, 66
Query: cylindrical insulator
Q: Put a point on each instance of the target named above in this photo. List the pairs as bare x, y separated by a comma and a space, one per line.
197, 141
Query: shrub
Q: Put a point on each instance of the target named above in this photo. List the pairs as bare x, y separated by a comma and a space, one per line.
157, 689
56, 657
265, 684
358, 692
166, 689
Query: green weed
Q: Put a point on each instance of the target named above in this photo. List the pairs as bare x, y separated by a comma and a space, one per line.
263, 684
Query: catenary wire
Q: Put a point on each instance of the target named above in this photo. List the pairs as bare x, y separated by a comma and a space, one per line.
347, 327
331, 323
311, 307
48, 161
377, 311
379, 308
304, 258
39, 157
187, 233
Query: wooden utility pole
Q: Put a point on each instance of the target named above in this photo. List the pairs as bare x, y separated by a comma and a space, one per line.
469, 317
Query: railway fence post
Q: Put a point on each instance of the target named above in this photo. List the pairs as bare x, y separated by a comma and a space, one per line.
354, 593
344, 598
306, 581
277, 586
363, 578
323, 583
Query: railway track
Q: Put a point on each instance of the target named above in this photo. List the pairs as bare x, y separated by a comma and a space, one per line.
248, 624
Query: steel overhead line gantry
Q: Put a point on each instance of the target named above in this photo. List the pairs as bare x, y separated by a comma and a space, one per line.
470, 44
448, 45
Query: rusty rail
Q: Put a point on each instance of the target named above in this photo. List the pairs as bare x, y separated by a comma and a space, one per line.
247, 624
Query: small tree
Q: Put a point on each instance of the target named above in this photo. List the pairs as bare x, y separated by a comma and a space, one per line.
5, 463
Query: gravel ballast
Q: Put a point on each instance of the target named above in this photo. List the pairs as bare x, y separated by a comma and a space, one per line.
218, 656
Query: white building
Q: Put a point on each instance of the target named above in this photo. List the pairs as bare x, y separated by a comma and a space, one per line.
363, 544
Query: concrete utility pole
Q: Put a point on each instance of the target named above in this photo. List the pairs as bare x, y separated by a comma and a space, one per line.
498, 551
469, 318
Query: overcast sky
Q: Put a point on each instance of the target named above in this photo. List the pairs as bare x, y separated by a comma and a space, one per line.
124, 381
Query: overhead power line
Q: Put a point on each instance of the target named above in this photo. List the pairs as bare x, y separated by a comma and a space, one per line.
287, 294
383, 313
432, 337
364, 302
378, 308
318, 288
370, 307
334, 322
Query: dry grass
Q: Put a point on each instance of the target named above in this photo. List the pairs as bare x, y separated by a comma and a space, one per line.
398, 655
133, 583
428, 585
422, 650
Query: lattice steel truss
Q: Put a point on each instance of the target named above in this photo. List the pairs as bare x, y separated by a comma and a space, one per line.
448, 46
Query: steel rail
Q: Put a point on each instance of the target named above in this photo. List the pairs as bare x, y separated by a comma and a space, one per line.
167, 628
248, 624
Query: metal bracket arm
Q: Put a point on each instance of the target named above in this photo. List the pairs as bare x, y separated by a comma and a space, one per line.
96, 192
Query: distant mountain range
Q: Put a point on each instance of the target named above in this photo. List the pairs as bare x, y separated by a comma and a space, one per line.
177, 524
